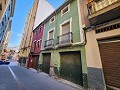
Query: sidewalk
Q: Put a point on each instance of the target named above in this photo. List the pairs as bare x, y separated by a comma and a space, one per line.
59, 80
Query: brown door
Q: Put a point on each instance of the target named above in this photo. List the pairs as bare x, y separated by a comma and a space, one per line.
110, 56
71, 67
35, 61
46, 62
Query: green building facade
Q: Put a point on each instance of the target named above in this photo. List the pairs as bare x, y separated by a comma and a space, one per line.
63, 44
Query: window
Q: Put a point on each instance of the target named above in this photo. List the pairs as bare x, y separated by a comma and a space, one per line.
51, 34
0, 6
65, 10
38, 43
5, 17
2, 23
52, 19
40, 29
36, 33
5, 1
34, 45
9, 8
66, 28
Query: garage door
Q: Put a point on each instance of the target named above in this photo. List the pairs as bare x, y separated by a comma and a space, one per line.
110, 56
46, 62
71, 68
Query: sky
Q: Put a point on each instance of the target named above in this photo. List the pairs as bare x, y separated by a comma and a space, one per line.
22, 8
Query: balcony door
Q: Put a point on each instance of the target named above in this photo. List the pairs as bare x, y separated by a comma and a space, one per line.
51, 34
66, 28
50, 37
65, 36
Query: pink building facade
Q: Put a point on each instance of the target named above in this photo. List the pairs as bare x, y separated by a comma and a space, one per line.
35, 46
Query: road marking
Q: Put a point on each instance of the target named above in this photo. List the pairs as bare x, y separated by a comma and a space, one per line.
21, 87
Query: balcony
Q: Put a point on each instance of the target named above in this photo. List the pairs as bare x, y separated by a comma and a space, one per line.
65, 39
101, 11
49, 44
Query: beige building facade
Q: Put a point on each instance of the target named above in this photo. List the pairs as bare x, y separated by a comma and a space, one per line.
102, 43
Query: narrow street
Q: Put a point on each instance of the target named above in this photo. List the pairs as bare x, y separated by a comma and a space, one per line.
14, 77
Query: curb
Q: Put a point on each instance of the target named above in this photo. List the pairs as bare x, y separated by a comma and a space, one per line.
63, 81
73, 85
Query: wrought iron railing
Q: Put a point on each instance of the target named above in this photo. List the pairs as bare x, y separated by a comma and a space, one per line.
49, 43
66, 38
97, 5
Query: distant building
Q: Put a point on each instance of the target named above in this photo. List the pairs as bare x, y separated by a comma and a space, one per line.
39, 11
6, 12
24, 48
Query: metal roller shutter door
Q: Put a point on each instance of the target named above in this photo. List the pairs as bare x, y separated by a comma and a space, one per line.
110, 56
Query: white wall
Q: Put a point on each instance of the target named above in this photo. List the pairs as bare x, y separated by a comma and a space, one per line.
43, 11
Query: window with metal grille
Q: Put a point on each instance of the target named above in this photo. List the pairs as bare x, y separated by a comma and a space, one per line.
108, 28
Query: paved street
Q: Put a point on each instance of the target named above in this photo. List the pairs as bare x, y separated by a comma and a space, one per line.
14, 77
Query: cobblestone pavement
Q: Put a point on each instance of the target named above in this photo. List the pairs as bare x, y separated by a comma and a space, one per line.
14, 77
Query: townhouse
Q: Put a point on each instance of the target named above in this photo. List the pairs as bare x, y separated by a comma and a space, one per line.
63, 44
6, 13
35, 47
102, 26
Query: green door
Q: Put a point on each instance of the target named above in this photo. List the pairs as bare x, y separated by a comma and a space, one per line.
71, 68
46, 62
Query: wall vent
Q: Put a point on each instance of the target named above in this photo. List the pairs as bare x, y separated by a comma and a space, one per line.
108, 28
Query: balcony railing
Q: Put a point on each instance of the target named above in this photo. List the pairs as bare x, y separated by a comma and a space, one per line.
49, 43
97, 5
65, 39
